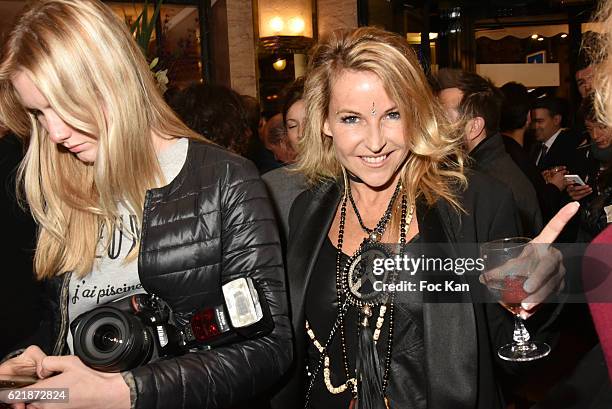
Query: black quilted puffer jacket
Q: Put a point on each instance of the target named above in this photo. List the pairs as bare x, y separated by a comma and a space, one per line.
211, 224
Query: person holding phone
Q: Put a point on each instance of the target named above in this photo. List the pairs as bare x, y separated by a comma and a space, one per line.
129, 200
595, 190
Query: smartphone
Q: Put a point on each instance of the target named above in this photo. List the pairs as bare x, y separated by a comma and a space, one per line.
574, 179
16, 381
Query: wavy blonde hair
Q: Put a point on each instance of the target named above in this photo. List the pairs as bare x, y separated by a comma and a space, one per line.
83, 60
601, 55
434, 166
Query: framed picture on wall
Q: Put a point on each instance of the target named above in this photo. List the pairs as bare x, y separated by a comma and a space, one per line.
536, 58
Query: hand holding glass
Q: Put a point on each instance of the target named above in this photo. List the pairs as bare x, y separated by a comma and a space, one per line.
508, 264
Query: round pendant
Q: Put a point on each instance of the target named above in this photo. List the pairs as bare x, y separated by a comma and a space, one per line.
362, 283
375, 236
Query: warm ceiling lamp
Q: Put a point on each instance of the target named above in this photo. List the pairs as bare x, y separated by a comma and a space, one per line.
534, 36
296, 25
277, 24
563, 35
541, 39
285, 18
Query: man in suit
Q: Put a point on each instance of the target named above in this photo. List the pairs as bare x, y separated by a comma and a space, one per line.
515, 118
476, 102
555, 146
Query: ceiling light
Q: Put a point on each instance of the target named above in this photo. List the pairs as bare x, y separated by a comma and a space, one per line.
296, 25
277, 24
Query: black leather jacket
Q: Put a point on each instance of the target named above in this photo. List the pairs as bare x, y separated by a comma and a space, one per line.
459, 338
213, 222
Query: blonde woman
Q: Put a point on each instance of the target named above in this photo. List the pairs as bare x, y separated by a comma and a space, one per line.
597, 257
128, 200
383, 167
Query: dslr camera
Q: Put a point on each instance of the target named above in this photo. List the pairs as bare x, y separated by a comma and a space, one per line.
142, 328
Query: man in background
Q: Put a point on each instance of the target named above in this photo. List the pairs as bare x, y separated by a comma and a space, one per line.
276, 140
515, 119
475, 103
554, 145
257, 152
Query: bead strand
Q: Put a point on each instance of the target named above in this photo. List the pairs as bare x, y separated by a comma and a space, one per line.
376, 234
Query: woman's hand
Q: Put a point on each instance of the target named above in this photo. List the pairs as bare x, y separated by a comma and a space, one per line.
548, 274
27, 364
87, 388
578, 192
548, 278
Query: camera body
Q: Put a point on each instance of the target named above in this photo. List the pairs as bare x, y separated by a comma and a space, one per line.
142, 328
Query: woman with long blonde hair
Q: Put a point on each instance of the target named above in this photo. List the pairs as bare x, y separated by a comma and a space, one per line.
384, 167
597, 257
130, 202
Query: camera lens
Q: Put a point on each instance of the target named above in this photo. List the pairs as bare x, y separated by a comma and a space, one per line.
107, 338
111, 340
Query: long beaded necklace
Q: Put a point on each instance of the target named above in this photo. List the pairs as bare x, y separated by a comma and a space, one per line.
374, 236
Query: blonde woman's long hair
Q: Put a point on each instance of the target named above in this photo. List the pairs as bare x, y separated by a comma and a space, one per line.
434, 166
83, 60
601, 55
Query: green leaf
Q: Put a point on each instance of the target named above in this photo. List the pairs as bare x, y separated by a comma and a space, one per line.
145, 14
135, 24
142, 28
150, 26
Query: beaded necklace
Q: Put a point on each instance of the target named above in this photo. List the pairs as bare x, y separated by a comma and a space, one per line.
375, 233
345, 297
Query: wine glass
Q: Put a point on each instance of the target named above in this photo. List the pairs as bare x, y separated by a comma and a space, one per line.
508, 263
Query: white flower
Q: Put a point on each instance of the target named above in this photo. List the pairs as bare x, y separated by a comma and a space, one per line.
161, 76
162, 80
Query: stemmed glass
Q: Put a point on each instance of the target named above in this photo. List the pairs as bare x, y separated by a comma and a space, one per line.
508, 263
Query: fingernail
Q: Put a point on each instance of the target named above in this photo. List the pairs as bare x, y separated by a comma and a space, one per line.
527, 305
576, 204
528, 286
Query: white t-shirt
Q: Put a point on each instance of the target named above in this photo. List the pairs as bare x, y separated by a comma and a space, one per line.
111, 278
